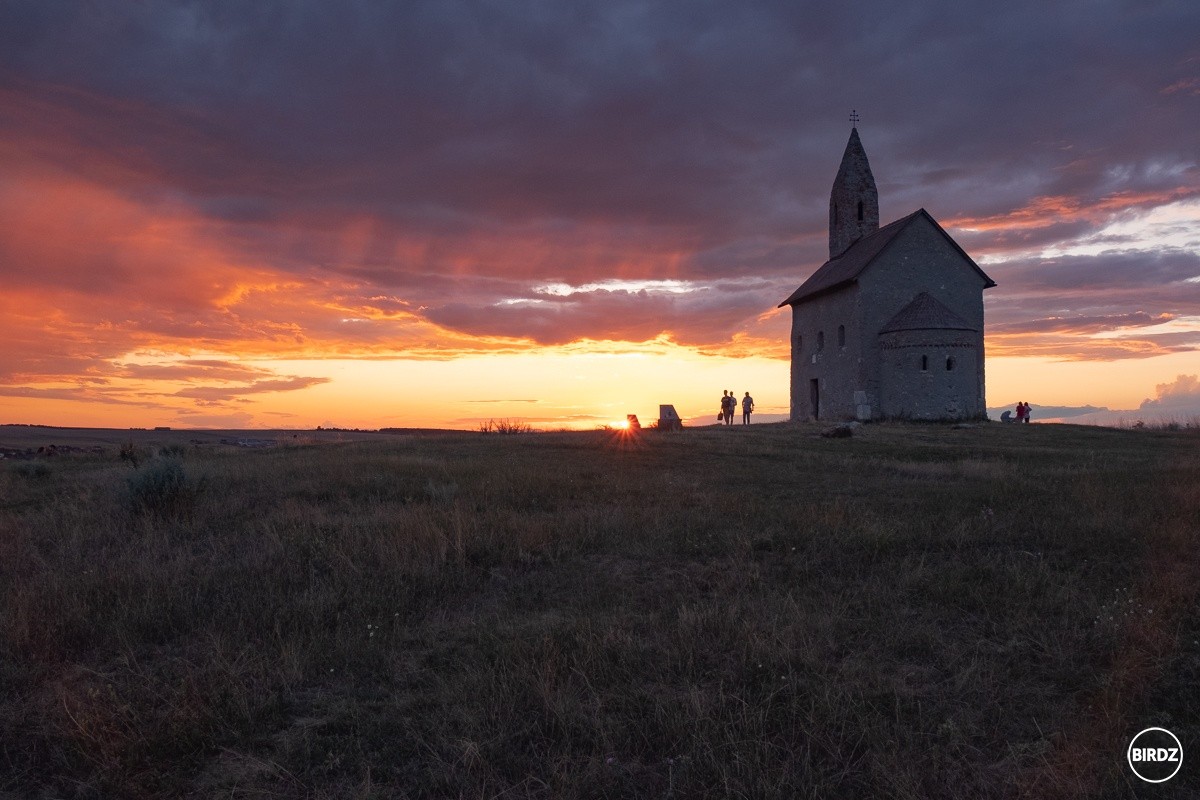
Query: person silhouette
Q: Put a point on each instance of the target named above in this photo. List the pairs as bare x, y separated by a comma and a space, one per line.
747, 407
730, 405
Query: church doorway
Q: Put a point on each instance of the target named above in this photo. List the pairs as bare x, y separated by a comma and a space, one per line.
814, 398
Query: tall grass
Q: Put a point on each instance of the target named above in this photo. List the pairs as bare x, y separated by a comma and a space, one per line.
912, 612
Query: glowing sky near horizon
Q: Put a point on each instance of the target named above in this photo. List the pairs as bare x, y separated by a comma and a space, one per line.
289, 214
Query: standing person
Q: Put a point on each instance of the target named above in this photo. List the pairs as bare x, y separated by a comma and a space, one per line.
730, 405
724, 403
747, 407
1027, 410
1020, 412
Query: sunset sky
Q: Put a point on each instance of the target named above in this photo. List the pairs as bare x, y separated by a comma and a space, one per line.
363, 214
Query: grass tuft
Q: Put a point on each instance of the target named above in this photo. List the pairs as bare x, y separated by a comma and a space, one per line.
161, 487
31, 470
505, 426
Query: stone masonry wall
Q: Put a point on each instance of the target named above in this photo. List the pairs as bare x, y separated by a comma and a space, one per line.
920, 259
930, 374
837, 368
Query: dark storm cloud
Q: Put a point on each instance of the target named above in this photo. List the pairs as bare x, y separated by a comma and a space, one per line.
1103, 272
1082, 324
1055, 306
706, 315
1086, 313
689, 113
437, 159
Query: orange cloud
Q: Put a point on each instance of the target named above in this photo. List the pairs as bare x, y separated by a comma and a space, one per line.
1082, 348
1045, 211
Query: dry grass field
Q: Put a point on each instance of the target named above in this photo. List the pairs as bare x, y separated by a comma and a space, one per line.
913, 612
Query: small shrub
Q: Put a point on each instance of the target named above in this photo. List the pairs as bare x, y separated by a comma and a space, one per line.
162, 488
172, 451
441, 492
132, 454
31, 470
513, 426
838, 432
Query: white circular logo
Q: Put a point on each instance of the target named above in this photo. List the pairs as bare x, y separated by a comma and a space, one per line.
1155, 755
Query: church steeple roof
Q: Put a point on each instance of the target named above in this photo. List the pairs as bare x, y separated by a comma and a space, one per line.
854, 200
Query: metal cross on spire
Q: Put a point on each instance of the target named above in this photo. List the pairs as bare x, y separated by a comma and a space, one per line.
854, 118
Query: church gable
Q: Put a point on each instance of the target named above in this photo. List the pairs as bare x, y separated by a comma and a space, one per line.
876, 248
922, 251
921, 275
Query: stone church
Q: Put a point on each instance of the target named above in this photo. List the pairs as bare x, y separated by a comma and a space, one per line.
891, 326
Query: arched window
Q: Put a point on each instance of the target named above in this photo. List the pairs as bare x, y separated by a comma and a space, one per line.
924, 363
841, 335
860, 210
820, 340
949, 363
799, 342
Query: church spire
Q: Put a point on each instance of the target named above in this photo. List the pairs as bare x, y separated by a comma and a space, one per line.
854, 201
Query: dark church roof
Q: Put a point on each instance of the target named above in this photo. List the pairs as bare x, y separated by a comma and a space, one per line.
923, 314
845, 269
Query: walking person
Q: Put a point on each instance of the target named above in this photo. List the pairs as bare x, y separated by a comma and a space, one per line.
728, 405
747, 407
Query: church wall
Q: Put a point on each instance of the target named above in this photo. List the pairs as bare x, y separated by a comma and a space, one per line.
920, 260
837, 369
916, 381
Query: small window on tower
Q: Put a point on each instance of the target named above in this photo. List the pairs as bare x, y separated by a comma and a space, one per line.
841, 335
820, 340
949, 363
860, 210
799, 342
924, 363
